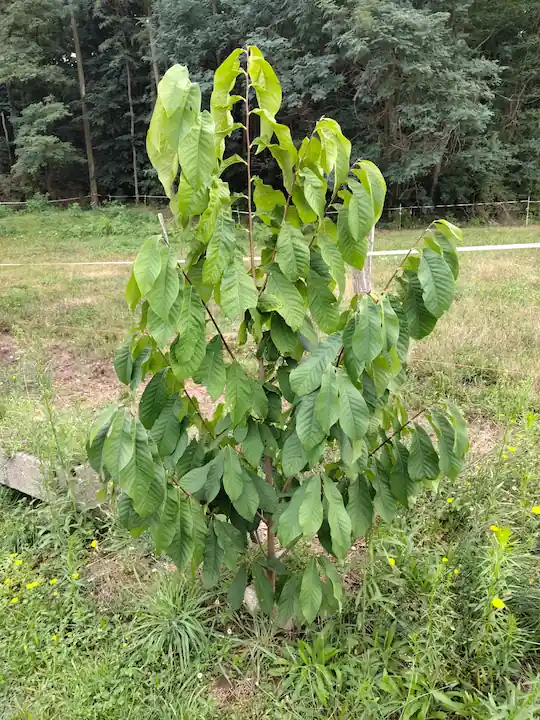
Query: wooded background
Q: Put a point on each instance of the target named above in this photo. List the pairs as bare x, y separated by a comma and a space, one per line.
444, 95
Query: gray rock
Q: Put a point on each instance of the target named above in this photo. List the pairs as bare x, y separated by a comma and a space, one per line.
250, 600
24, 472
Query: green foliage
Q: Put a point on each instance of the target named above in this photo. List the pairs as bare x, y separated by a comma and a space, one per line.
338, 448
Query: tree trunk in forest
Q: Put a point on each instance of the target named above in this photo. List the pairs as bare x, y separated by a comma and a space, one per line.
132, 131
84, 108
6, 135
153, 54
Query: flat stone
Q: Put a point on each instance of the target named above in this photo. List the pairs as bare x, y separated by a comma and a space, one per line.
250, 600
24, 472
85, 485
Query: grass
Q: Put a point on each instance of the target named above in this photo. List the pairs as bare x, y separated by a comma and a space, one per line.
110, 632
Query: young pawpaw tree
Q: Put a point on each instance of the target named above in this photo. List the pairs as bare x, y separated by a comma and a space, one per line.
310, 437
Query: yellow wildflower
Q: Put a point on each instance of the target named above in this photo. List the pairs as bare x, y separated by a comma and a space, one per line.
494, 528
456, 571
55, 594
93, 544
445, 560
7, 581
536, 509
498, 604
531, 580
14, 600
18, 562
13, 555
32, 585
75, 576
392, 561
53, 581
54, 638
450, 500
512, 449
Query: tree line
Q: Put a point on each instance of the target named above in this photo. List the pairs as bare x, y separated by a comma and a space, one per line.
444, 95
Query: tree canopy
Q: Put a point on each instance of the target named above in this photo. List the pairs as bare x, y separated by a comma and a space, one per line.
444, 97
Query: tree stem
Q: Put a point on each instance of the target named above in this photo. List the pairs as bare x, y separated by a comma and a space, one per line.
248, 169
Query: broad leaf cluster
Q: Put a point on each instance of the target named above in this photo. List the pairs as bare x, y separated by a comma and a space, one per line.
311, 439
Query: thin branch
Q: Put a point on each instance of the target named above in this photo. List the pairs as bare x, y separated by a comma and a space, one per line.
397, 432
248, 169
405, 258
166, 241
194, 406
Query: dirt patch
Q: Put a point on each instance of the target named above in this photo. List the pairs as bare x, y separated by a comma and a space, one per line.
110, 578
8, 349
207, 406
235, 694
79, 379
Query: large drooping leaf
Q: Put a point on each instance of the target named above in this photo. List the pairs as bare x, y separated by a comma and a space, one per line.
449, 461
311, 592
327, 404
213, 556
291, 306
237, 589
335, 150
212, 372
307, 376
164, 291
263, 589
220, 249
287, 600
247, 502
267, 88
360, 506
173, 89
147, 265
143, 478
252, 444
238, 393
390, 323
384, 502
220, 100
353, 411
367, 339
154, 398
308, 427
402, 486
286, 340
437, 282
448, 236
294, 458
338, 519
196, 151
188, 350
310, 514
361, 214
119, 444
423, 460
420, 321
183, 543
167, 427
163, 526
288, 529
353, 251
233, 481
292, 253
461, 440
327, 240
314, 191
323, 304
123, 361
374, 185
238, 292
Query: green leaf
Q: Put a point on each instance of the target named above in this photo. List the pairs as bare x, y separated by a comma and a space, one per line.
390, 323
311, 592
314, 191
399, 480
128, 518
247, 503
167, 428
353, 411
294, 458
119, 445
323, 304
308, 427
263, 588
448, 236
154, 398
268, 499
195, 479
173, 89
182, 546
308, 375
238, 292
237, 589
163, 527
133, 293
332, 576
420, 321
361, 214
221, 101
220, 250
252, 445
213, 555
310, 514
285, 339
292, 253
331, 254
196, 151
238, 393
338, 520
437, 282
267, 88
353, 364
461, 442
449, 462
265, 197
188, 350
212, 372
288, 529
423, 460
385, 367
384, 503
326, 404
147, 265
143, 478
292, 306
231, 541
353, 251
373, 184
335, 150
259, 401
123, 362
233, 481
360, 506
287, 601
367, 339
164, 291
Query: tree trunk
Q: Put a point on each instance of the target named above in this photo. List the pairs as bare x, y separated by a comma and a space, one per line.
132, 131
153, 53
84, 108
361, 279
6, 135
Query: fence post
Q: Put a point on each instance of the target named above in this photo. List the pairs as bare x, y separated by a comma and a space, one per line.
527, 213
400, 216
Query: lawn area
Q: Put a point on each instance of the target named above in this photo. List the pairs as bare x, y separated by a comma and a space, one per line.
104, 630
